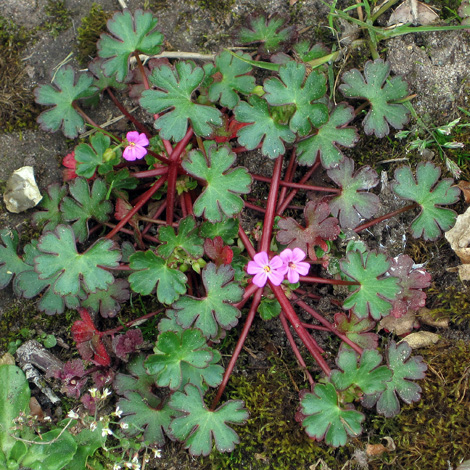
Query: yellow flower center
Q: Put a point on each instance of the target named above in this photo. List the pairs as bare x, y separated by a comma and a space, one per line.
267, 268
131, 144
292, 265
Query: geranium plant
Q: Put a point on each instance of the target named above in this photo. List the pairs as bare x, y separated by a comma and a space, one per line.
157, 211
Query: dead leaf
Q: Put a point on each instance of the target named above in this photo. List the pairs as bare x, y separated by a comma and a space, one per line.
374, 450
421, 339
459, 239
7, 358
35, 409
465, 188
414, 12
399, 326
320, 464
427, 318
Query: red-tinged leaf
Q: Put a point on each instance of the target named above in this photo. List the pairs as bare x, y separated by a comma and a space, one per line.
84, 329
70, 166
127, 343
357, 330
319, 227
412, 280
217, 251
122, 208
230, 131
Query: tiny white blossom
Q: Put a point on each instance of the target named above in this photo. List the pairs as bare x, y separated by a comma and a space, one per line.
157, 453
118, 412
93, 426
124, 425
106, 432
93, 392
116, 467
72, 414
105, 393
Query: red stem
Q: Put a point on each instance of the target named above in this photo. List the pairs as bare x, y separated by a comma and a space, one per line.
130, 323
307, 187
287, 177
335, 282
151, 173
308, 341
271, 206
238, 347
385, 217
294, 347
145, 197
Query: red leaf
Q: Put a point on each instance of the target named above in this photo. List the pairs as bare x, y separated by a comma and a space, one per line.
217, 252
320, 227
71, 165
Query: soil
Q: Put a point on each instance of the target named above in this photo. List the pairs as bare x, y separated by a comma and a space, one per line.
437, 68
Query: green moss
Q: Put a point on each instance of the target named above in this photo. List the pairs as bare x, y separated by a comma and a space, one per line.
59, 18
433, 433
89, 32
271, 438
17, 107
216, 6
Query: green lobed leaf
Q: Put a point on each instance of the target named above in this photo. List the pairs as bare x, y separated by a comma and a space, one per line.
267, 32
90, 157
221, 193
230, 77
59, 256
430, 195
325, 419
371, 87
108, 302
88, 442
152, 271
227, 229
65, 89
187, 239
269, 308
368, 374
129, 34
172, 351
150, 420
405, 369
101, 81
174, 95
10, 263
324, 142
199, 426
375, 292
354, 203
263, 127
50, 216
85, 205
14, 399
214, 310
294, 88
357, 330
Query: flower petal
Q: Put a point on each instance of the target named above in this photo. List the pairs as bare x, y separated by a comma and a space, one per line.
276, 262
261, 259
298, 255
286, 255
260, 279
302, 268
292, 276
132, 136
254, 268
276, 277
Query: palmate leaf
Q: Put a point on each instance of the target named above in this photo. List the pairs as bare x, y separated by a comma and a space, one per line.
267, 32
319, 227
108, 302
199, 425
129, 34
368, 374
405, 369
172, 351
152, 271
215, 309
59, 256
325, 419
85, 205
65, 89
412, 280
187, 239
91, 157
10, 263
101, 81
375, 293
294, 88
324, 142
227, 229
175, 88
353, 204
357, 330
263, 127
382, 112
430, 195
230, 77
221, 194
50, 216
149, 419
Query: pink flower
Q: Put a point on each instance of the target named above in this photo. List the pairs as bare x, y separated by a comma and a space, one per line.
135, 149
293, 265
263, 269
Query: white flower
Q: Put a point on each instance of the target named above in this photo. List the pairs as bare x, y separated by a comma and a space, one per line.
118, 412
116, 467
105, 393
106, 432
157, 453
72, 414
123, 425
93, 426
93, 392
